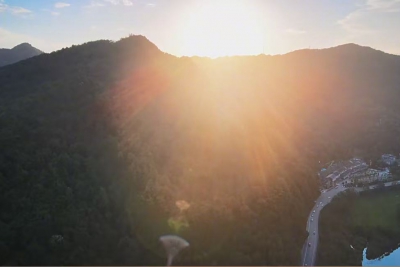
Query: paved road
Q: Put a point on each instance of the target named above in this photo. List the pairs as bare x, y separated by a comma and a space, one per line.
310, 251
311, 244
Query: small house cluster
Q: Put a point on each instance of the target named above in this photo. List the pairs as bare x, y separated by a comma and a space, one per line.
336, 172
355, 171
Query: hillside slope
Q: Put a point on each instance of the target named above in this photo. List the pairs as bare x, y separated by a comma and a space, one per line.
102, 141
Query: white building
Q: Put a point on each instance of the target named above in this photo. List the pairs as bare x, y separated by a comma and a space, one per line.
388, 159
372, 175
336, 172
383, 174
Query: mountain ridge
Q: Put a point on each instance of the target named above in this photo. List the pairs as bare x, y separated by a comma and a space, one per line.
349, 48
101, 141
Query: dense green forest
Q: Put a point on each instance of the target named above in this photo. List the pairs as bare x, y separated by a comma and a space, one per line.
100, 143
369, 219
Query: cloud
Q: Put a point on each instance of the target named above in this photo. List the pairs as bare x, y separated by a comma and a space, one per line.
15, 10
3, 7
102, 3
383, 5
369, 17
61, 5
151, 5
120, 2
354, 23
53, 13
295, 31
94, 4
19, 10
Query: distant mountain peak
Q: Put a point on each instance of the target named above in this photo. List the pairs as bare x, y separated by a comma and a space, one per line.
138, 40
357, 47
18, 53
23, 45
350, 45
353, 46
350, 49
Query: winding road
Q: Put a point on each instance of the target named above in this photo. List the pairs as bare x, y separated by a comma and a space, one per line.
310, 247
311, 244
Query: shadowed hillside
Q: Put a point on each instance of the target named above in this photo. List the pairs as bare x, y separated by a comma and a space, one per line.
102, 141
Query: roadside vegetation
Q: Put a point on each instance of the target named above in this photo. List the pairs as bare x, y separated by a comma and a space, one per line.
354, 221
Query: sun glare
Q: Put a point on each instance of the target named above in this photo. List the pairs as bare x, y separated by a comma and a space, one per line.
223, 28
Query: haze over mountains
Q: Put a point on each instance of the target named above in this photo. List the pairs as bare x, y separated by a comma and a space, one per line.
17, 53
99, 142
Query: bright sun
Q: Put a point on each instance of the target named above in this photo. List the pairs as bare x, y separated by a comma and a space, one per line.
223, 28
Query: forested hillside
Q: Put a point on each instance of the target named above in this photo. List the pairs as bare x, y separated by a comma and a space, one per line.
103, 142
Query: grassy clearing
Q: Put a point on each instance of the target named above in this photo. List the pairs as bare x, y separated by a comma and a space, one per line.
376, 210
358, 220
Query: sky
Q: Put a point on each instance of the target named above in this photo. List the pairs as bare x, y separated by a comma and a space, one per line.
204, 27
